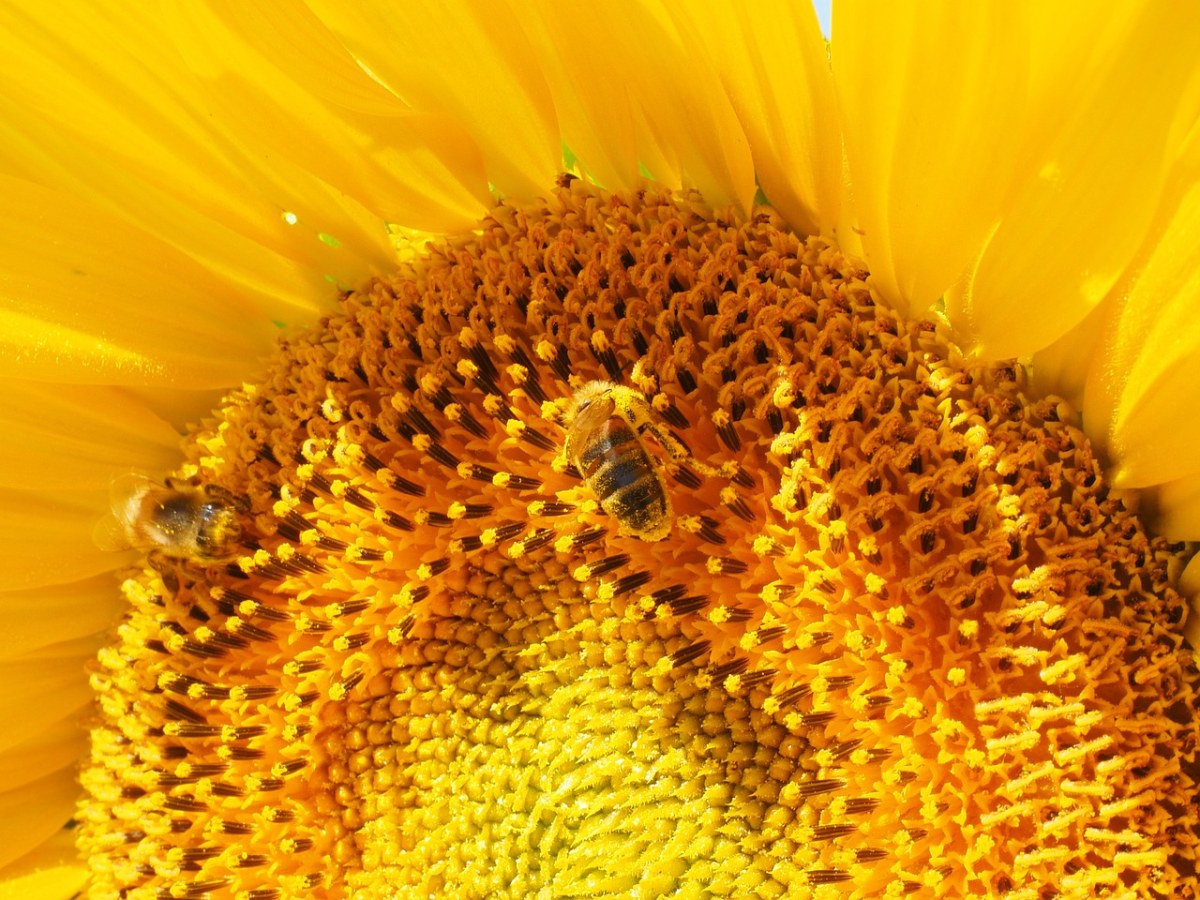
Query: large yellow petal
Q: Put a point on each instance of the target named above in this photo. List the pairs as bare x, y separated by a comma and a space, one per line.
73, 436
286, 247
688, 132
178, 170
43, 696
46, 537
42, 616
1146, 375
772, 60
53, 751
52, 871
1062, 368
33, 813
1175, 510
469, 60
595, 110
932, 97
178, 407
88, 298
1070, 232
296, 92
39, 691
685, 131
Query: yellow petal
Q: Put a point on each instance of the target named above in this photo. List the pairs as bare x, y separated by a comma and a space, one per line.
42, 616
51, 752
33, 813
1070, 232
46, 537
178, 407
1146, 377
596, 116
51, 871
772, 60
932, 98
41, 690
296, 92
687, 132
1176, 512
73, 436
471, 61
689, 120
88, 298
1062, 368
178, 170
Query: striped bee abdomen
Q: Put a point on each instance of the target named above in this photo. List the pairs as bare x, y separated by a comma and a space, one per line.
604, 446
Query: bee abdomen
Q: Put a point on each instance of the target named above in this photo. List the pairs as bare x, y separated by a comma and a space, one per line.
625, 481
641, 506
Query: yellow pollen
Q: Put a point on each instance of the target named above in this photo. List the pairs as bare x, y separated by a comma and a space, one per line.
899, 640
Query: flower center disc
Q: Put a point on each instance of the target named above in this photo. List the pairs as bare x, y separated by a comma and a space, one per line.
897, 637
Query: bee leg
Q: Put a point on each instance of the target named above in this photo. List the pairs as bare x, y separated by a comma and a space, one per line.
680, 453
637, 411
166, 570
678, 450
224, 495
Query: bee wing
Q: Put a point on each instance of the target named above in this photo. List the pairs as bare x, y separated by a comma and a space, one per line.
114, 532
126, 488
111, 535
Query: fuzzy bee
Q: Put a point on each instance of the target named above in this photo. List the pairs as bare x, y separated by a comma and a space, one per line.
605, 425
176, 520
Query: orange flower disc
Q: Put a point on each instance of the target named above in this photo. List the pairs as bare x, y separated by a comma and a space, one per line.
903, 642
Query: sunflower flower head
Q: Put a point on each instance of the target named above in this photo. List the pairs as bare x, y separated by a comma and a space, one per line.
898, 638
791, 500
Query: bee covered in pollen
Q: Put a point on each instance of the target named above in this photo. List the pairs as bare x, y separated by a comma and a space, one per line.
178, 520
605, 425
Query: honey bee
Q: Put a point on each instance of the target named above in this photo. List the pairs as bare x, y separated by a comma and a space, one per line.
176, 520
605, 425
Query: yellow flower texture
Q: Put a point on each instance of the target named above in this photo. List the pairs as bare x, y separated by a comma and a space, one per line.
905, 323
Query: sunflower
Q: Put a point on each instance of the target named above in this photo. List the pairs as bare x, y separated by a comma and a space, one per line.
867, 578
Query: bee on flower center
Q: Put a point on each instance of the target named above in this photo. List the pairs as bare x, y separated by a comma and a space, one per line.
176, 520
605, 426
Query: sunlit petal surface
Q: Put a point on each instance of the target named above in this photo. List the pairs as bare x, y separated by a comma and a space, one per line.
689, 133
497, 91
597, 113
178, 171
38, 617
51, 872
76, 436
1133, 368
931, 175
41, 742
1099, 169
83, 301
277, 71
772, 62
